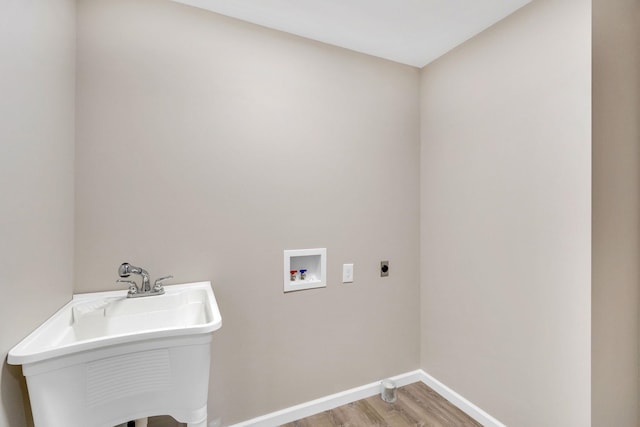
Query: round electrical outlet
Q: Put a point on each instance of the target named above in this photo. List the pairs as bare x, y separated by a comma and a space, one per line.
384, 268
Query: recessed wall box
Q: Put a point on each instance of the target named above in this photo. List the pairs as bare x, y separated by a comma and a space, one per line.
314, 264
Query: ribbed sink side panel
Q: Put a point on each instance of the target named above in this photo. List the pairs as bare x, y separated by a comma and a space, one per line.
127, 375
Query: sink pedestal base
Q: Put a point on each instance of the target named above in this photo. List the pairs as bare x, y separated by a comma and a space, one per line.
144, 422
109, 386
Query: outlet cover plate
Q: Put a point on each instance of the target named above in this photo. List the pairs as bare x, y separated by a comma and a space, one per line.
347, 273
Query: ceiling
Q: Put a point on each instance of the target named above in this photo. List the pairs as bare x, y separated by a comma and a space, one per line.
413, 32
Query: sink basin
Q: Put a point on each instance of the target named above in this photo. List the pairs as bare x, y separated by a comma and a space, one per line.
104, 359
103, 319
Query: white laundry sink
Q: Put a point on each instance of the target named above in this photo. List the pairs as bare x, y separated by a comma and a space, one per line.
104, 359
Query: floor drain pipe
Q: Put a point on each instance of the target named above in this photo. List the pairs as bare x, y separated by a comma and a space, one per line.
388, 391
140, 422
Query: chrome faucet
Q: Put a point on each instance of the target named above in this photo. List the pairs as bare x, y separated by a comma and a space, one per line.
145, 289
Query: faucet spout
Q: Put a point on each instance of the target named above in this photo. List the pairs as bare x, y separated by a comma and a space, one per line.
126, 269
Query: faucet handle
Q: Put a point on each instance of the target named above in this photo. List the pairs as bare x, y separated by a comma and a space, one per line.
133, 287
157, 284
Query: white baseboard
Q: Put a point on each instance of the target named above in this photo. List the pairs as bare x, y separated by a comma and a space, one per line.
460, 402
342, 398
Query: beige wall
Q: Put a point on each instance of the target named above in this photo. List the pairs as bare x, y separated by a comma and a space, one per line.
37, 62
616, 213
506, 217
207, 146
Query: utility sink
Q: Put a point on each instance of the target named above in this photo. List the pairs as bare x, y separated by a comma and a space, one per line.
104, 359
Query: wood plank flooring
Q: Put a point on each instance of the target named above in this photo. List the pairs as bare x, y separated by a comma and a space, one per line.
417, 406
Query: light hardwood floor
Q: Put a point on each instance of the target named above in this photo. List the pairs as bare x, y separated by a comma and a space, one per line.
417, 406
